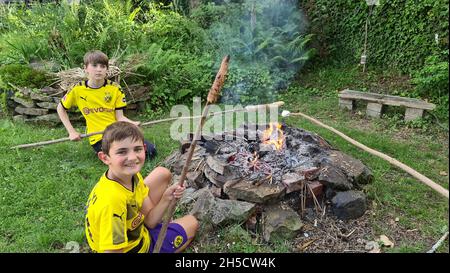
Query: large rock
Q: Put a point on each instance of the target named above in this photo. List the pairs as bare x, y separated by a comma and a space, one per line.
293, 181
191, 195
280, 222
28, 103
349, 204
178, 160
334, 178
228, 176
356, 171
50, 118
263, 193
196, 179
20, 118
40, 97
31, 111
219, 212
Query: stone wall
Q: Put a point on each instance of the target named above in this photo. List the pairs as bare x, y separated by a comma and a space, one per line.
40, 105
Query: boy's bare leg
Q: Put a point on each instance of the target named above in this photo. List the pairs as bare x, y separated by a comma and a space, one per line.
157, 182
190, 225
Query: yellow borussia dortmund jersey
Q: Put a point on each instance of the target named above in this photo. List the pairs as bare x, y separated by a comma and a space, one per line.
97, 105
113, 218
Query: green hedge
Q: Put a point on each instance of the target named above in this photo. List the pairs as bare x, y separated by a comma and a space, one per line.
401, 33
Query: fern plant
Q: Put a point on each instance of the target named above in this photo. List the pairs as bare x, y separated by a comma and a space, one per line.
264, 37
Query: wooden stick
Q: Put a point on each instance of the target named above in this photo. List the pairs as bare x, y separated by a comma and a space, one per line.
213, 95
246, 109
438, 243
391, 160
316, 202
48, 142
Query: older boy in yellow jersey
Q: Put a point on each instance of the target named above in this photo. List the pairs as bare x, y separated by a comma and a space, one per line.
124, 210
101, 102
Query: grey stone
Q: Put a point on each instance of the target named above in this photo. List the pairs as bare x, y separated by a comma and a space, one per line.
355, 170
221, 212
349, 204
333, 177
215, 164
31, 111
51, 118
28, 103
280, 222
50, 90
21, 118
293, 181
263, 193
374, 110
346, 104
413, 113
218, 179
40, 97
196, 179
47, 105
191, 195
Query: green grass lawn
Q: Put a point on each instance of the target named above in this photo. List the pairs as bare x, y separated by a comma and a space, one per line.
43, 190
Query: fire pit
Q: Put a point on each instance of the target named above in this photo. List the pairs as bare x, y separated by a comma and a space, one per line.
268, 175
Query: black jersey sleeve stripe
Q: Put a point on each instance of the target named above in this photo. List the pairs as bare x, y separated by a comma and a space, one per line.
120, 108
62, 104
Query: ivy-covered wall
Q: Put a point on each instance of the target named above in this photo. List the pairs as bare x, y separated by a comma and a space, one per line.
401, 33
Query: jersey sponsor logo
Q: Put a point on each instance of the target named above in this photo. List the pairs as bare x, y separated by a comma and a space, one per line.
108, 97
136, 221
178, 241
88, 111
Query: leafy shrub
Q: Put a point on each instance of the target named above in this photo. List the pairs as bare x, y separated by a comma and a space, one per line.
401, 34
266, 42
432, 80
23, 76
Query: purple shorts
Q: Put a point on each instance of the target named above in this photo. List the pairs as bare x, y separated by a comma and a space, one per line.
175, 237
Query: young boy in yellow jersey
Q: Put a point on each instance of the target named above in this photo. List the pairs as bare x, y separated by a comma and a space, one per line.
101, 102
124, 210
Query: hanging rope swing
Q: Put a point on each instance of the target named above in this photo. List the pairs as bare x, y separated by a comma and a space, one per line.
363, 61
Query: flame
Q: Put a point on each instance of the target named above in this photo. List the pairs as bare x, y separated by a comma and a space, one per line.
274, 135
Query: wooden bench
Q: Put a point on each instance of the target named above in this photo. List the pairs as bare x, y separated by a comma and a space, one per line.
376, 103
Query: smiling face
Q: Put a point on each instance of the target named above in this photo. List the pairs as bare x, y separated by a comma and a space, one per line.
125, 159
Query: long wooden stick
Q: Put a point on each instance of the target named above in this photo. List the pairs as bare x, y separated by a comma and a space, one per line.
247, 108
391, 160
438, 243
213, 95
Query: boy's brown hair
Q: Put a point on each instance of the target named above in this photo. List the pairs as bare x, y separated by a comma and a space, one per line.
96, 57
118, 131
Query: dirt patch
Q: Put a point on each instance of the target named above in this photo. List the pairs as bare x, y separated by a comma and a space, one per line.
327, 234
